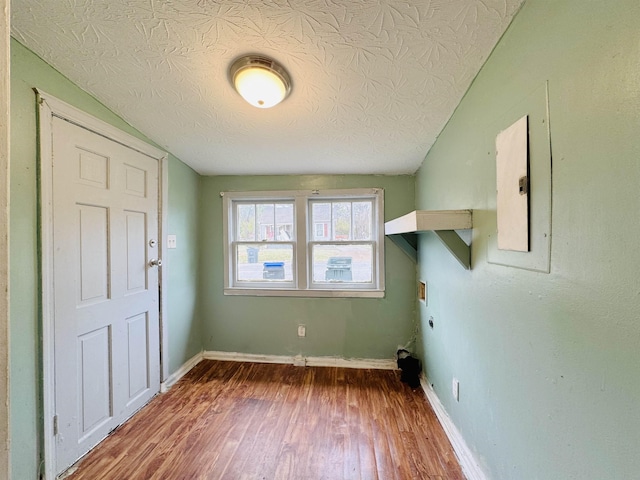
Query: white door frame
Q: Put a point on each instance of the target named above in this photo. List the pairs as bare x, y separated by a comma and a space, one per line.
48, 108
5, 119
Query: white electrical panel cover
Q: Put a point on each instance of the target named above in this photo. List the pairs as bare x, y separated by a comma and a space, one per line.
512, 165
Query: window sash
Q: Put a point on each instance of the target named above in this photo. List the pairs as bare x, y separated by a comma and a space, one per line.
256, 221
331, 220
351, 285
268, 283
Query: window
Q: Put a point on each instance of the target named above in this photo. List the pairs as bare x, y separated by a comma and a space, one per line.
304, 243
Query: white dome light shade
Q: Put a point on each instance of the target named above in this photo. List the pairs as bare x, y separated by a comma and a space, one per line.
261, 88
260, 81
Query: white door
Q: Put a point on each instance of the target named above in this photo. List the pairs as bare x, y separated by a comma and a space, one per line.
106, 314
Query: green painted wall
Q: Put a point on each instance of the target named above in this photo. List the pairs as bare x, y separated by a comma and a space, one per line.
341, 327
185, 334
548, 363
29, 71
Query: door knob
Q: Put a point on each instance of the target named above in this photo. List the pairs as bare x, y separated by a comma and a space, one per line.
156, 262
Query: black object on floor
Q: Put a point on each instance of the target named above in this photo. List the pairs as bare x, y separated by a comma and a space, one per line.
410, 367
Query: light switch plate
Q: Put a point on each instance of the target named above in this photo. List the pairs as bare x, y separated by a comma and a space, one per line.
171, 241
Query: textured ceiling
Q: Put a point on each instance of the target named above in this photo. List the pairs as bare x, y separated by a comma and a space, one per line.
374, 82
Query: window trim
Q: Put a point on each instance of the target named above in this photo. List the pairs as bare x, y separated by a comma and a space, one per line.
301, 255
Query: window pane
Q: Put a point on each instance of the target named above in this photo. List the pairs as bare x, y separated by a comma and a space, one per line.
342, 263
321, 220
246, 223
264, 263
362, 220
284, 221
341, 220
266, 221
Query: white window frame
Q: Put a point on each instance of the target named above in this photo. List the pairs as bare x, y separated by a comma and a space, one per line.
301, 286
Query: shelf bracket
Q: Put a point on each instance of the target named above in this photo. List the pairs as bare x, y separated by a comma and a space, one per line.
408, 243
458, 248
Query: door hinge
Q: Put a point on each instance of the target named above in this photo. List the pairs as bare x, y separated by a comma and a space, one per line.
55, 424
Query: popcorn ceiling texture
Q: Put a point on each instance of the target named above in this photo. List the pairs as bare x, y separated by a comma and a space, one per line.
374, 82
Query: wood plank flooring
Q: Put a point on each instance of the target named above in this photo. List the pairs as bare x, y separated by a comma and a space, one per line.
248, 421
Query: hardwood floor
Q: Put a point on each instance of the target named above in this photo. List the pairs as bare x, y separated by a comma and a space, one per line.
248, 421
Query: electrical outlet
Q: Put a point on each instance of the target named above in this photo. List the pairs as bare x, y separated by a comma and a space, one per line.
302, 331
422, 291
455, 389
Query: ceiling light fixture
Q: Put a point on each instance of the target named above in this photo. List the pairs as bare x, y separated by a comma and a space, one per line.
260, 80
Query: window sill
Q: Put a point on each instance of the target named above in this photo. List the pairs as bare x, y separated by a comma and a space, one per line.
264, 292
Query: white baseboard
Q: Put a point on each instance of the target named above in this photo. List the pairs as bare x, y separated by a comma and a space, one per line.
364, 363
468, 463
246, 357
298, 360
373, 363
181, 372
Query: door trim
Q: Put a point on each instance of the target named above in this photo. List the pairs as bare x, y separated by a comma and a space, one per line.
48, 108
5, 120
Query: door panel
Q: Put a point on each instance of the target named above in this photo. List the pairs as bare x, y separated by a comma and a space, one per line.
93, 169
138, 368
94, 258
136, 181
136, 251
107, 353
95, 389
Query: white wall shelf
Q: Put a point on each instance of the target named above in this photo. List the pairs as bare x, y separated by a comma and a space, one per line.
403, 231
